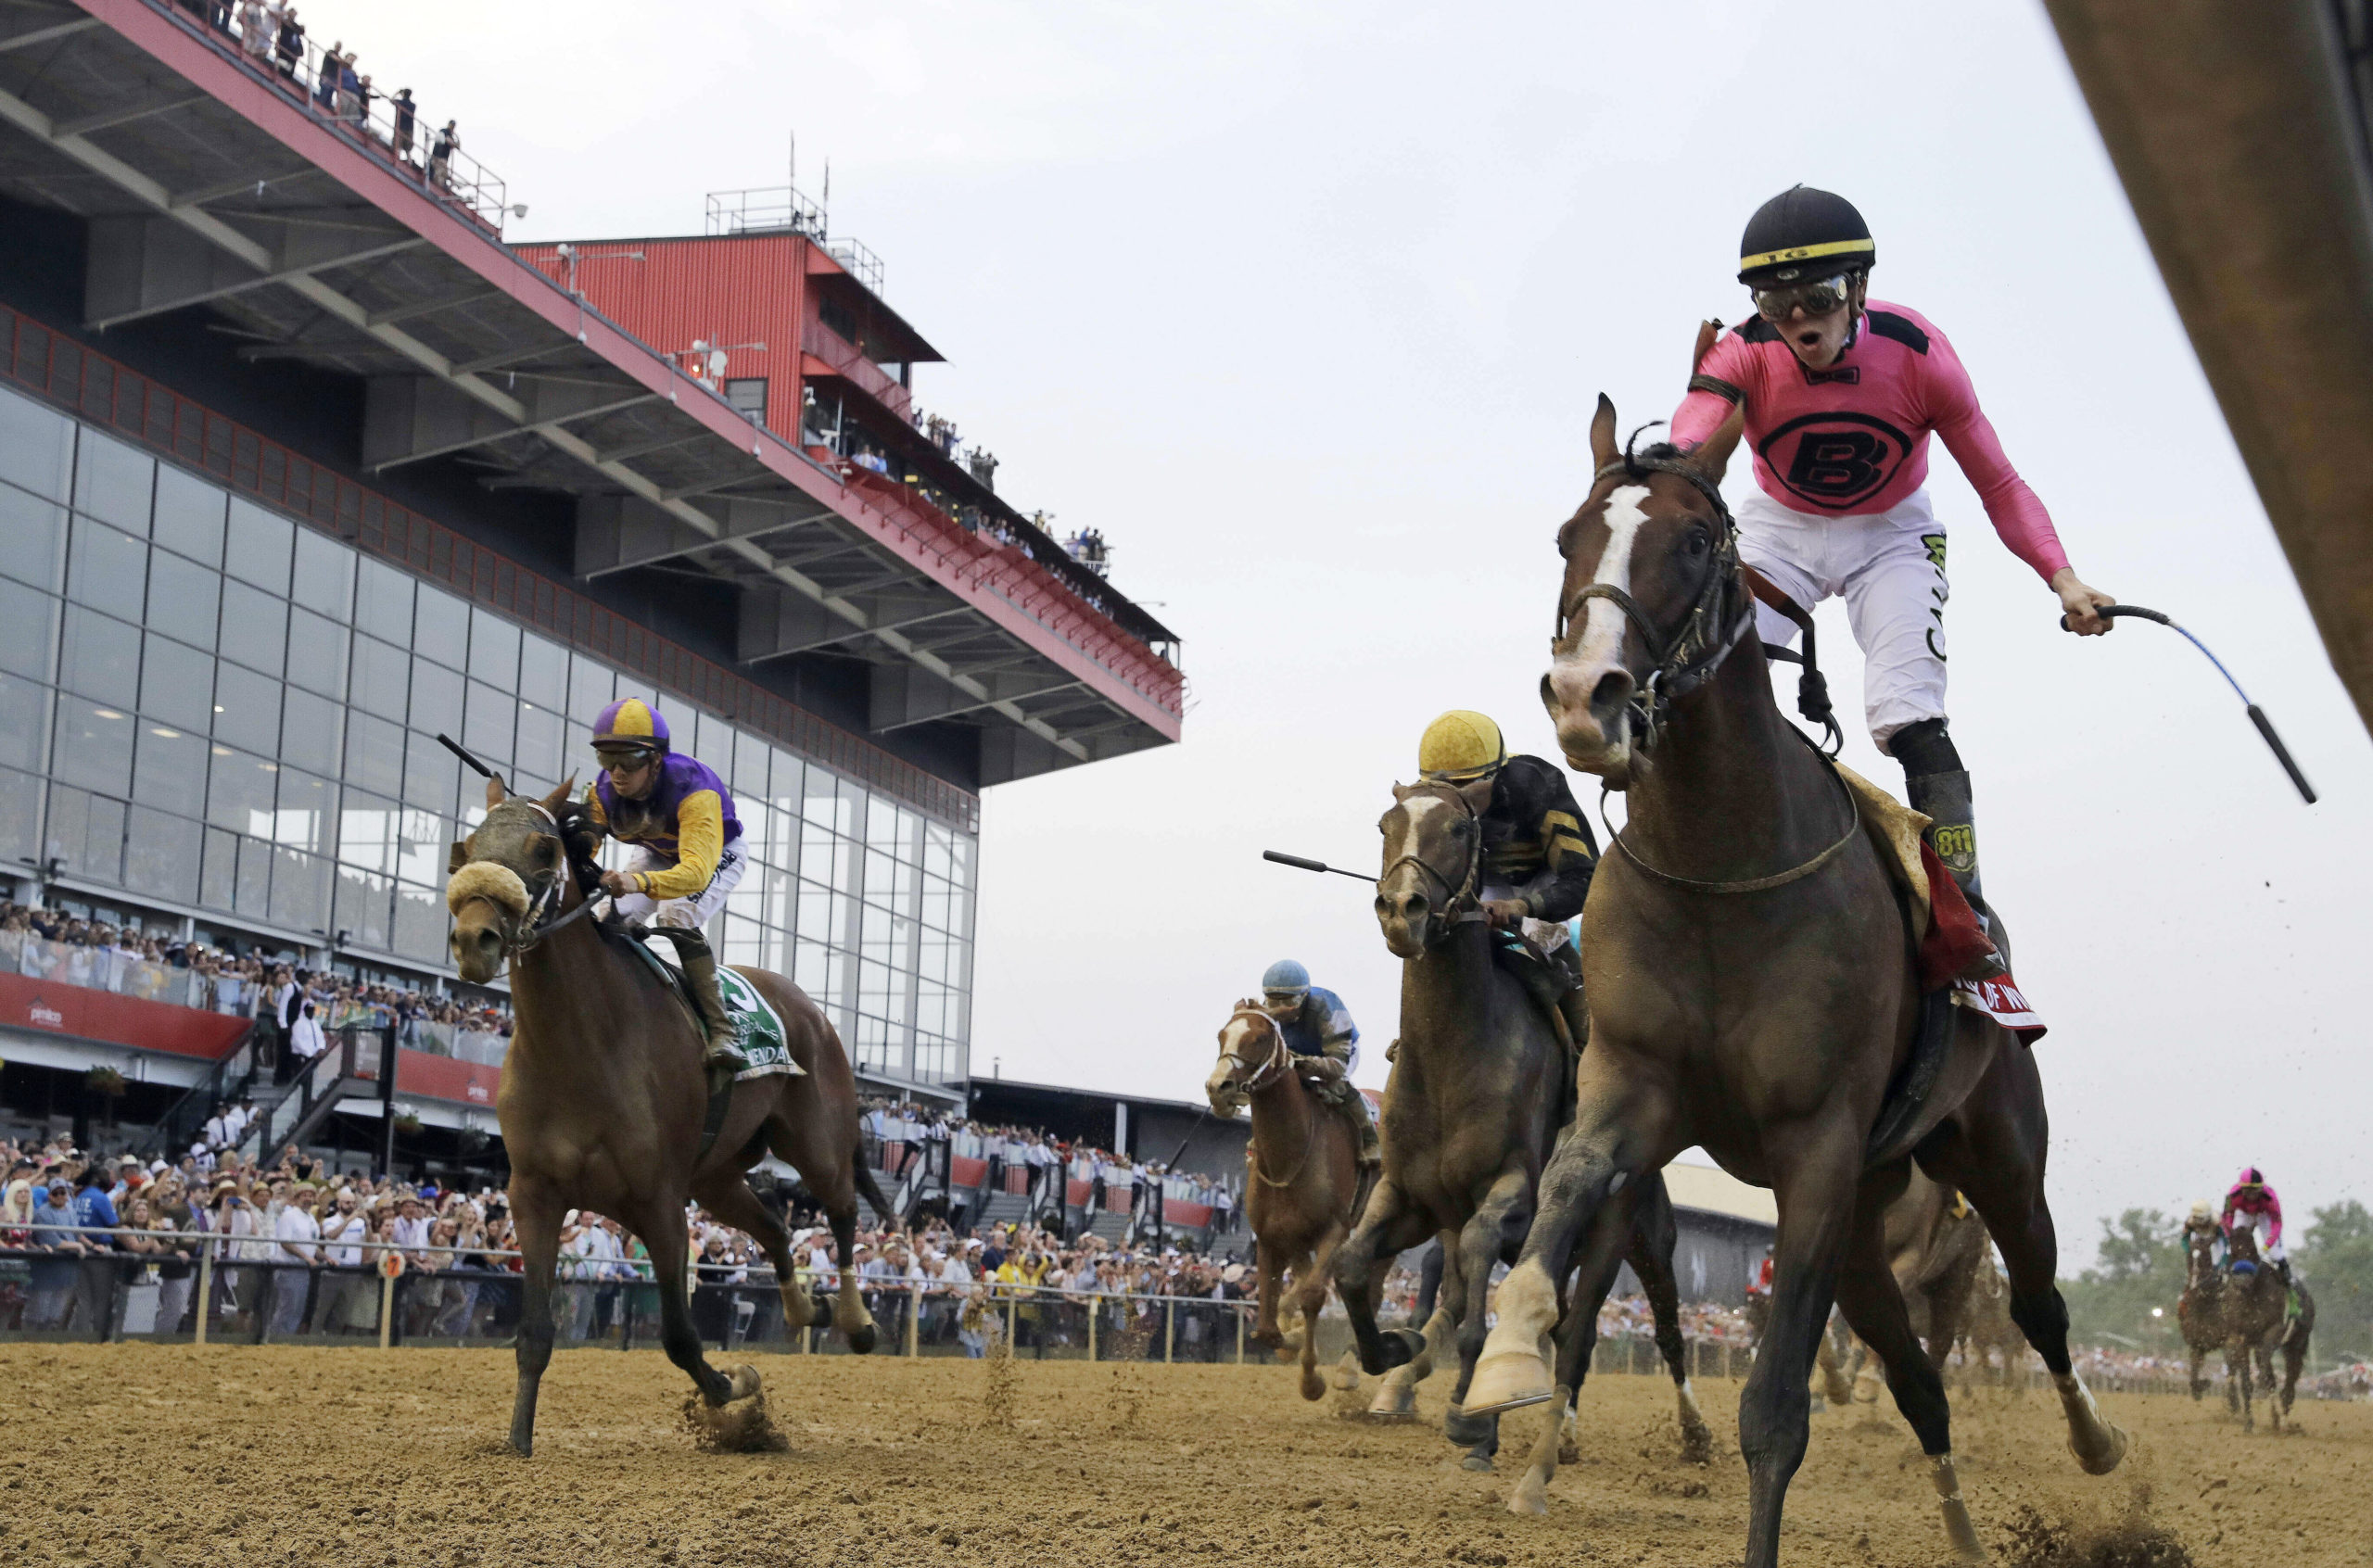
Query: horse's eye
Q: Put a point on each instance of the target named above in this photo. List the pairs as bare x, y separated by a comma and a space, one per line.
1696, 543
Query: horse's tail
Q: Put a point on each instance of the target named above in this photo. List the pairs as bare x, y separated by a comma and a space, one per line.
867, 1187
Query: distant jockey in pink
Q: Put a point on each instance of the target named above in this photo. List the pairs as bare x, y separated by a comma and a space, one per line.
2254, 1204
1853, 439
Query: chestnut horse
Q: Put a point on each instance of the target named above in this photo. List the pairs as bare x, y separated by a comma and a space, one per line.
1753, 991
603, 1095
1303, 1170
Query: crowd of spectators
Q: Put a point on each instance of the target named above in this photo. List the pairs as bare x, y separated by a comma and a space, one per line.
272, 35
302, 1006
1026, 1159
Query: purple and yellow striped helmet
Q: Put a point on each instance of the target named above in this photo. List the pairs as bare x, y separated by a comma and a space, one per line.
630, 724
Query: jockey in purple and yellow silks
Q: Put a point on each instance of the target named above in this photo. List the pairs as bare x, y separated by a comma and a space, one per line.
688, 852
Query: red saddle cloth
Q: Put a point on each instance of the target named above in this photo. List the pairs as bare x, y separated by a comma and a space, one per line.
1955, 940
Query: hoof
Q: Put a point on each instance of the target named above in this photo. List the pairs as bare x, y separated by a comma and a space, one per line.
1475, 1463
524, 1447
1509, 1381
2104, 1456
1347, 1373
862, 1340
1400, 1347
1530, 1496
1394, 1402
1465, 1428
742, 1383
1314, 1388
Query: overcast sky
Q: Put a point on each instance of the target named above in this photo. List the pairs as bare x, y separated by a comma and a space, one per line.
1306, 307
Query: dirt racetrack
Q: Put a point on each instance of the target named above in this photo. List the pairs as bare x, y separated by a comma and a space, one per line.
138, 1454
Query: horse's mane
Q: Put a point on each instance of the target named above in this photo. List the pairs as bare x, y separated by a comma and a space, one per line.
583, 838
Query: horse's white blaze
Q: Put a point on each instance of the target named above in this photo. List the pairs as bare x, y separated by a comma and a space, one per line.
1603, 631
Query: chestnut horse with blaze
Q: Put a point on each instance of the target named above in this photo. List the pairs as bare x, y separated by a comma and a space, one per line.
603, 1094
1305, 1170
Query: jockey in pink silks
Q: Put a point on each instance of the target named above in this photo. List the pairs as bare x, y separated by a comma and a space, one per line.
1840, 394
2252, 1206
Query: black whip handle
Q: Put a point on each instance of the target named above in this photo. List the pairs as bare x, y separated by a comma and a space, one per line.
2281, 752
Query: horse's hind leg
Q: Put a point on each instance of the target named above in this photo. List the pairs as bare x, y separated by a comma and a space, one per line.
535, 1214
1654, 1233
1481, 1243
727, 1195
1994, 1149
1874, 1307
1385, 1228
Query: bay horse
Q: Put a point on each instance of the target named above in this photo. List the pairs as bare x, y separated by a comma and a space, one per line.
2257, 1321
1303, 1170
2200, 1311
1476, 1098
604, 1093
1753, 990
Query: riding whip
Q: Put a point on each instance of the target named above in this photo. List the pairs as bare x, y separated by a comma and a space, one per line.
2257, 714
1299, 863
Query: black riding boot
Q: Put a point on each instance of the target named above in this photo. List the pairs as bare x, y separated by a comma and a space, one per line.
1936, 786
724, 1033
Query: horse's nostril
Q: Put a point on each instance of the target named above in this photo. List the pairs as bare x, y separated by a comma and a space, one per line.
1413, 906
1614, 689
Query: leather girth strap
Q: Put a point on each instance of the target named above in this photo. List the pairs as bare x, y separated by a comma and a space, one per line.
719, 1074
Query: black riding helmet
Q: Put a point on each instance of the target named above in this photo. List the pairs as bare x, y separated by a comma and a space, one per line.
1801, 234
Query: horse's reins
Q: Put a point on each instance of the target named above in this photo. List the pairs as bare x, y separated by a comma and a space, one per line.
1692, 656
1280, 1059
531, 927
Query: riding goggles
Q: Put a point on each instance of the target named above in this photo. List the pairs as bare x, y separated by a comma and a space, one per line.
1818, 297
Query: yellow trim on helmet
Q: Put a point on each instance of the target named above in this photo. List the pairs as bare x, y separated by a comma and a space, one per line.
1808, 253
1461, 745
632, 719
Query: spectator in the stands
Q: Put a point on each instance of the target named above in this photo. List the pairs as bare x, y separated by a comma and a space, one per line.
296, 1232
440, 157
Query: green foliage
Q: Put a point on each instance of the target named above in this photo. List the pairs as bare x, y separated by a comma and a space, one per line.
2140, 1267
2335, 1257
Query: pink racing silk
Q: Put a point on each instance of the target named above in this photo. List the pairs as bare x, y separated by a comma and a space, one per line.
1853, 439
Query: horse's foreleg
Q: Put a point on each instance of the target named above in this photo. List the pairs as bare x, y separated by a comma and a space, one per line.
1438, 1293
1873, 1305
1312, 1290
1994, 1151
1816, 1199
535, 1214
1585, 1198
2237, 1363
661, 1226
1386, 1227
1480, 1243
849, 1312
1654, 1233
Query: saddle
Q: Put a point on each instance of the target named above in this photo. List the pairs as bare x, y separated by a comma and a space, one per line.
764, 1046
1544, 979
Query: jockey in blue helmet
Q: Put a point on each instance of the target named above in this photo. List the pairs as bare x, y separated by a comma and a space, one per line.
688, 852
1318, 1030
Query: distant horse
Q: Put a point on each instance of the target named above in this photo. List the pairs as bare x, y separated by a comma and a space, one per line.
1480, 1089
1753, 990
604, 1093
2258, 1321
1303, 1171
2200, 1312
1934, 1244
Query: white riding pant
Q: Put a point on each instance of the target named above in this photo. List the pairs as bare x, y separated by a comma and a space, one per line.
1889, 568
690, 913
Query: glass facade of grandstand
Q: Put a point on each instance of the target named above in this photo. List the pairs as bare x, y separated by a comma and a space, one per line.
229, 715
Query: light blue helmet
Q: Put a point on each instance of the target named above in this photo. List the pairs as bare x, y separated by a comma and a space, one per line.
1286, 978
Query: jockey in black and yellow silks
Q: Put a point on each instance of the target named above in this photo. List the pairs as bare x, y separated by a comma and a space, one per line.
1538, 852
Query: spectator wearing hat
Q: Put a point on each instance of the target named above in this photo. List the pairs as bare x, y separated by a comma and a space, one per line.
50, 1291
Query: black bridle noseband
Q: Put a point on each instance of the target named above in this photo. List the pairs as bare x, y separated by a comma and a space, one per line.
1465, 892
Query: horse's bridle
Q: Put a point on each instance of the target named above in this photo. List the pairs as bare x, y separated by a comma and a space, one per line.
1465, 892
531, 926
1280, 1061
1717, 617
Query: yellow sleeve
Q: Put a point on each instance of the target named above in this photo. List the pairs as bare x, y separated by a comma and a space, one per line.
700, 841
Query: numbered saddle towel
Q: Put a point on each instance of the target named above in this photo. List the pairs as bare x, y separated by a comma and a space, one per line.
1944, 924
763, 1040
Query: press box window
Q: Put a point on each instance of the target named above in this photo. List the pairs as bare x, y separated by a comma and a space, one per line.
748, 395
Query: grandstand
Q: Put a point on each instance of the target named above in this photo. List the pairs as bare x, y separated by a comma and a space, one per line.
302, 464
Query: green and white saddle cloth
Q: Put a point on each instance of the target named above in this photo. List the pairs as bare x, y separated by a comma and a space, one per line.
763, 1040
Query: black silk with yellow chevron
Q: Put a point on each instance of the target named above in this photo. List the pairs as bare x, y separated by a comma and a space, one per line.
1535, 840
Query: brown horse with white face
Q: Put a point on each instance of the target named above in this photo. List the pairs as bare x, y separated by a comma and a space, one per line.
1304, 1175
603, 1095
1752, 990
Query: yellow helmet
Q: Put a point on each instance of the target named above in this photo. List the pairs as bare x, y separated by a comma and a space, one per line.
1461, 745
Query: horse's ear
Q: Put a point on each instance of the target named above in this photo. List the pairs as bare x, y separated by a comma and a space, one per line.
1712, 455
1604, 450
457, 857
559, 798
1400, 792
1709, 334
1478, 793
495, 793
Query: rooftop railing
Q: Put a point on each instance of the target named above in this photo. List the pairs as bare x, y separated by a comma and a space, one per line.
772, 209
392, 127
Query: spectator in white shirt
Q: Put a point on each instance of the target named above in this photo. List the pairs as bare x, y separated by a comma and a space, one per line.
296, 1231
